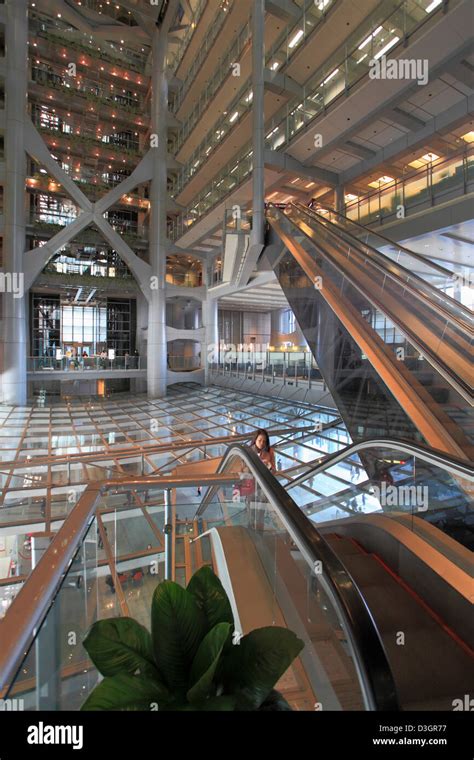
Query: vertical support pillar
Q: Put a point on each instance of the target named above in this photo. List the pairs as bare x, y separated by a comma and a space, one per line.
156, 350
258, 127
210, 349
168, 527
339, 203
14, 389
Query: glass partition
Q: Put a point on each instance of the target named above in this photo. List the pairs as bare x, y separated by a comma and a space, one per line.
394, 483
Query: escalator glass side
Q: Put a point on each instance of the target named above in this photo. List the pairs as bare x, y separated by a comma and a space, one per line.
295, 592
438, 276
395, 483
369, 407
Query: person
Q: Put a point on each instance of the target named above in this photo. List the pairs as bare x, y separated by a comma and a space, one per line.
127, 360
103, 359
261, 445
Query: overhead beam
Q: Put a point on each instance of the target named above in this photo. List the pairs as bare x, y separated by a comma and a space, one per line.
227, 289
446, 120
463, 71
404, 119
280, 160
357, 150
284, 9
282, 84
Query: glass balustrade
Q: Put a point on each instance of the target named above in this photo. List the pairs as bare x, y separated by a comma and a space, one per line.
121, 558
203, 52
176, 56
393, 482
84, 364
242, 103
437, 180
343, 74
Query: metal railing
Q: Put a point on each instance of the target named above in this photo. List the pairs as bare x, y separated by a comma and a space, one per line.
343, 73
426, 185
218, 22
178, 55
48, 364
456, 467
30, 608
280, 54
289, 368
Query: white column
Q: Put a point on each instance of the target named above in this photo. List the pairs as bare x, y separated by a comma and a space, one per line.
258, 124
14, 388
209, 351
156, 353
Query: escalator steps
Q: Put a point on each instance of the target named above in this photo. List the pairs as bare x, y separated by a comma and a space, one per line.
429, 666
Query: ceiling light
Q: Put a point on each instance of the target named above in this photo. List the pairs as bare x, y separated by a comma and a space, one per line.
370, 37
274, 66
293, 42
381, 181
386, 48
468, 137
310, 184
423, 160
433, 5
234, 117
331, 75
350, 197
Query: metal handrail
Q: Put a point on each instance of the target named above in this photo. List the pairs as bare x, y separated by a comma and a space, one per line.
29, 608
427, 262
457, 467
138, 450
452, 308
459, 383
365, 641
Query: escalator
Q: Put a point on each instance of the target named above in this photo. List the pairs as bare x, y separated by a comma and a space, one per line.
346, 599
410, 562
394, 350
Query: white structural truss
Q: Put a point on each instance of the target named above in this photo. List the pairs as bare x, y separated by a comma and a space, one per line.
22, 139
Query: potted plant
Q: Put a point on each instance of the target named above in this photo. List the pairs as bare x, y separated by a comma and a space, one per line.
193, 659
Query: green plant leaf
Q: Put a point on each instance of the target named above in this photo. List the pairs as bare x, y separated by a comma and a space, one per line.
224, 703
254, 666
206, 661
275, 702
126, 692
177, 629
118, 645
210, 597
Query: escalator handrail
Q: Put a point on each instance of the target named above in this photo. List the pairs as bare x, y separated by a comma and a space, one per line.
459, 384
454, 466
451, 308
370, 657
427, 262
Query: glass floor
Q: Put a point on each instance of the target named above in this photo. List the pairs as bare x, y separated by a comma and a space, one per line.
50, 454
